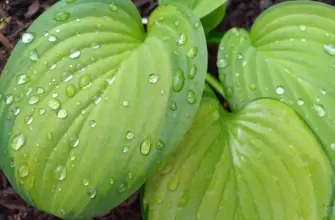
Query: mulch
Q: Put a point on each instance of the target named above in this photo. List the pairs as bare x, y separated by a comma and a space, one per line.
15, 18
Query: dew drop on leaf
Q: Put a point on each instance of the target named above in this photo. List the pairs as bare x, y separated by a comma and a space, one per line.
33, 55
280, 90
178, 80
23, 171
50, 136
65, 76
28, 119
54, 104
300, 102
302, 27
41, 111
330, 49
111, 181
193, 72
18, 141
320, 110
153, 78
323, 91
122, 188
62, 114
23, 79
59, 173
130, 135
9, 99
191, 97
33, 100
91, 193
53, 66
182, 39
40, 90
86, 182
125, 104
125, 149
62, 16
145, 146
113, 7
191, 53
252, 86
85, 82
174, 182
15, 111
74, 54
92, 123
74, 141
222, 63
160, 145
27, 37
70, 90
95, 45
52, 38
174, 106
332, 146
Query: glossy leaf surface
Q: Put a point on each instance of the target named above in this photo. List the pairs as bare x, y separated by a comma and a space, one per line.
245, 165
90, 102
289, 55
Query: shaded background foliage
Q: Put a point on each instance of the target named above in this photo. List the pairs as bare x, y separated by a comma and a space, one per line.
17, 15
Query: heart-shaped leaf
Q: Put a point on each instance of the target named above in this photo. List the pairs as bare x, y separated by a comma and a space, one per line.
289, 55
90, 102
210, 11
245, 165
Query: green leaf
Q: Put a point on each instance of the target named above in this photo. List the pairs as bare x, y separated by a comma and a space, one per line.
289, 55
245, 165
210, 11
90, 102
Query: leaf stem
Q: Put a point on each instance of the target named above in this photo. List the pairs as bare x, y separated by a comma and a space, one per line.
214, 83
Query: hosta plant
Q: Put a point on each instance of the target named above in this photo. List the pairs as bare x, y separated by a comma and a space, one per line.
93, 104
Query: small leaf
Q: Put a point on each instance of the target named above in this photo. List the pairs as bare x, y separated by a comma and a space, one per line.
288, 57
94, 103
245, 165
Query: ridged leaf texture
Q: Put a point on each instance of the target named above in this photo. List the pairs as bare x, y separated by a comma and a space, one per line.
90, 102
289, 55
244, 165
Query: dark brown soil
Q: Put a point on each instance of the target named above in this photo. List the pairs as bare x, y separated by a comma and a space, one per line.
17, 15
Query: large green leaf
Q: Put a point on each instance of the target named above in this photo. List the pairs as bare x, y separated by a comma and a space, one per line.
289, 55
245, 165
210, 11
90, 102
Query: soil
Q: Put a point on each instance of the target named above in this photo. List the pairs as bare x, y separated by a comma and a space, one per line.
17, 15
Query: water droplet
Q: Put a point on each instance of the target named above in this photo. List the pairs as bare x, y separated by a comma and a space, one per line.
193, 52
54, 104
113, 7
85, 82
323, 91
125, 103
125, 149
302, 27
41, 111
9, 99
330, 49
53, 66
122, 188
92, 124
62, 114
252, 87
320, 110
95, 46
86, 182
280, 90
222, 63
70, 1
59, 173
28, 119
27, 37
111, 181
66, 76
197, 25
160, 145
33, 100
74, 54
70, 90
54, 95
130, 135
130, 176
174, 182
52, 38
33, 55
18, 141
91, 193
178, 80
182, 39
23, 171
193, 72
153, 78
174, 106
332, 146
15, 110
300, 102
40, 90
23, 79
62, 16
74, 141
191, 97
50, 136
146, 146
